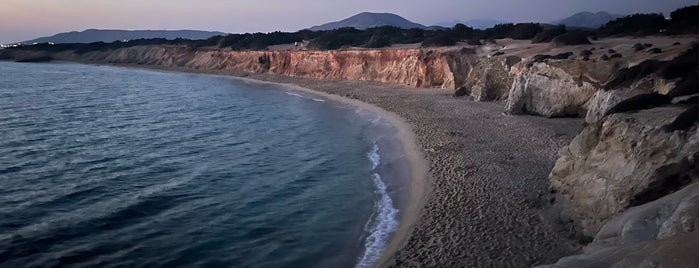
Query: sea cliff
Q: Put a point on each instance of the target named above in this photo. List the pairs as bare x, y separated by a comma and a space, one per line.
434, 68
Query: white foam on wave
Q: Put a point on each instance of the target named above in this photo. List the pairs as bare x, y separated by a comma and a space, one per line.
294, 94
374, 156
383, 222
377, 119
304, 97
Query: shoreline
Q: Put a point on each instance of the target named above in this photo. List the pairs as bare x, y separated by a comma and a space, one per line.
419, 186
480, 203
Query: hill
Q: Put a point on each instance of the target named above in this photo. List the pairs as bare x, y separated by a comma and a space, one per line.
475, 23
366, 20
95, 35
588, 19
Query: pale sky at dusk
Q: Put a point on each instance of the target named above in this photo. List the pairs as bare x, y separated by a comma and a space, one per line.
26, 19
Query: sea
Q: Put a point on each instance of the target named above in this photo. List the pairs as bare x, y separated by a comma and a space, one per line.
104, 166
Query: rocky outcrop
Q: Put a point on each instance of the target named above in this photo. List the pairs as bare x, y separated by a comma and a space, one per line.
625, 160
662, 233
490, 78
558, 88
603, 100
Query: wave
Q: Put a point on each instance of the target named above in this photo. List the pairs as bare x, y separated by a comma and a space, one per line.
305, 97
374, 157
100, 209
383, 222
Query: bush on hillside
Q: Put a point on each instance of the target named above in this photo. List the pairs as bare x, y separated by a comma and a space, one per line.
571, 38
634, 25
441, 39
684, 20
523, 31
462, 31
499, 31
549, 34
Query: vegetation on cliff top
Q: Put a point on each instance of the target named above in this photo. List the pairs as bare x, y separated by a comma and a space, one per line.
683, 20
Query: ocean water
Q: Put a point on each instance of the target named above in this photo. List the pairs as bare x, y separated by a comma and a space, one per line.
114, 167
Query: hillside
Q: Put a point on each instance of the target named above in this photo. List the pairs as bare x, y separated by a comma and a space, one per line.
95, 35
474, 23
368, 20
587, 19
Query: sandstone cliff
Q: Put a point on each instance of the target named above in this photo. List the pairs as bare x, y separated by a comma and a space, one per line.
440, 68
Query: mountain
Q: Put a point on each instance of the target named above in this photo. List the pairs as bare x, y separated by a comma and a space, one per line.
366, 20
94, 35
475, 23
588, 19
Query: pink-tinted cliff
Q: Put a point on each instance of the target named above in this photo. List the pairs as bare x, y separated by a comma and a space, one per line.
430, 68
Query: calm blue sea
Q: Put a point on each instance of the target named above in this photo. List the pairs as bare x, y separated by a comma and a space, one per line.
114, 167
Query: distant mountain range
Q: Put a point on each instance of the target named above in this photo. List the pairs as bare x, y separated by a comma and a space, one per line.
366, 20
360, 21
94, 35
588, 19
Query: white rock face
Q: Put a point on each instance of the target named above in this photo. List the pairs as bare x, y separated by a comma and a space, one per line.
490, 79
602, 100
662, 233
618, 162
547, 90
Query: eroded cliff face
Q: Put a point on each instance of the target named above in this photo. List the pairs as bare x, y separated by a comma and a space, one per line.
603, 100
490, 79
624, 160
662, 233
557, 88
413, 67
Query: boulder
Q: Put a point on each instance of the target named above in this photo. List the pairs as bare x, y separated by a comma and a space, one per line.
662, 233
625, 159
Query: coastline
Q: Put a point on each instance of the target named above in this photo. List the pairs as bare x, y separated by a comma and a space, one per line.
419, 187
478, 202
420, 184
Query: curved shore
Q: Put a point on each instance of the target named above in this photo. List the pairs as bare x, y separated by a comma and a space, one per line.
482, 204
419, 187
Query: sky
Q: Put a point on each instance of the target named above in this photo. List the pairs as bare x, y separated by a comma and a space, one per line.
27, 19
